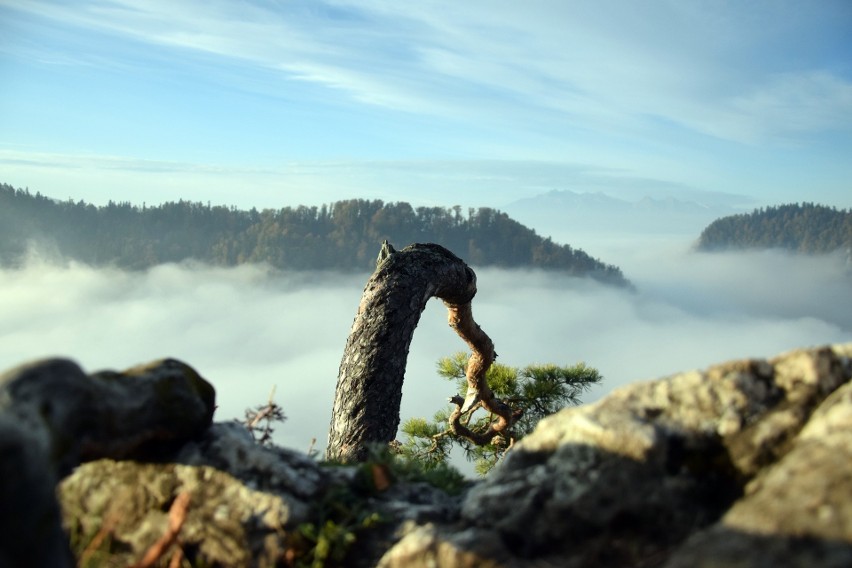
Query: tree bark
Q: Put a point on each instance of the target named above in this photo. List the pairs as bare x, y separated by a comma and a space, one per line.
369, 384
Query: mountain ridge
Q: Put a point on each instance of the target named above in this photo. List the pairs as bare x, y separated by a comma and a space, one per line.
345, 235
805, 228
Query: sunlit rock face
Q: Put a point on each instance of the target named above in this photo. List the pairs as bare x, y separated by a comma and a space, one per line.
744, 463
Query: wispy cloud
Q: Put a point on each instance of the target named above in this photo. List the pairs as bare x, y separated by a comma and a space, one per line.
107, 162
791, 104
598, 65
470, 183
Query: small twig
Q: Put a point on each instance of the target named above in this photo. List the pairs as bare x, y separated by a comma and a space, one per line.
177, 558
260, 416
312, 448
269, 413
177, 516
106, 530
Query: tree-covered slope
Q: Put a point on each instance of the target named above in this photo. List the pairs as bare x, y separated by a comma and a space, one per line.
345, 235
806, 228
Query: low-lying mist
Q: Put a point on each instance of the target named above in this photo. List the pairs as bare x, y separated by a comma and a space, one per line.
249, 328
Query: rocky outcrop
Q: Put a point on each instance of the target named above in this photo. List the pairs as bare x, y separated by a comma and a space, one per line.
745, 463
249, 505
53, 416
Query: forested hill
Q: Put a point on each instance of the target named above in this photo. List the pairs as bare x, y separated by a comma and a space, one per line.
345, 235
806, 228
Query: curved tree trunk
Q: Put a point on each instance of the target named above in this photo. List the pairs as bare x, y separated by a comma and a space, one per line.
369, 384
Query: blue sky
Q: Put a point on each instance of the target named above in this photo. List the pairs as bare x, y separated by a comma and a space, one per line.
280, 103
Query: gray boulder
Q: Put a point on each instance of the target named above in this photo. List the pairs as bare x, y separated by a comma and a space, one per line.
53, 416
249, 505
78, 417
707, 468
742, 464
227, 523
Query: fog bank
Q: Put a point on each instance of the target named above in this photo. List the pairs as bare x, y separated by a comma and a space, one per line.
248, 329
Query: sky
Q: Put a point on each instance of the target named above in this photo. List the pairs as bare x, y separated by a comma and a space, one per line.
276, 103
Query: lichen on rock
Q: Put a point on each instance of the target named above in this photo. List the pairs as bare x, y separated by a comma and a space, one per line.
753, 452
227, 524
744, 463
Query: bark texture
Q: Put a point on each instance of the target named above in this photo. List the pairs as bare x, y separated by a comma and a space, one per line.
369, 384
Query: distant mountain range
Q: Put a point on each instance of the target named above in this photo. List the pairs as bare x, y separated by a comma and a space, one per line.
560, 212
345, 235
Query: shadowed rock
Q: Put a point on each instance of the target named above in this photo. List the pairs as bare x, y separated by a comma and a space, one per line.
79, 417
53, 416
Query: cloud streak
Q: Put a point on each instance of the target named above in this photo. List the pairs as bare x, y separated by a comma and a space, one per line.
469, 183
582, 64
248, 329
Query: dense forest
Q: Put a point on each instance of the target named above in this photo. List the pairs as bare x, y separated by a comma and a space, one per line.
345, 235
805, 228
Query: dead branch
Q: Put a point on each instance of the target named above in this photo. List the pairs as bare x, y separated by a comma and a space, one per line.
107, 528
177, 516
268, 413
177, 558
369, 388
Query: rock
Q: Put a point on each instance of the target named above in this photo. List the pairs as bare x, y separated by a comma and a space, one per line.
429, 545
79, 417
699, 469
797, 511
230, 448
227, 523
29, 513
246, 501
743, 464
249, 503
53, 416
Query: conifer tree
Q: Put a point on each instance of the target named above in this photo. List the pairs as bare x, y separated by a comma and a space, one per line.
533, 392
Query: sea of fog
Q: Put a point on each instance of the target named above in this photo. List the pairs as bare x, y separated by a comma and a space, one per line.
249, 329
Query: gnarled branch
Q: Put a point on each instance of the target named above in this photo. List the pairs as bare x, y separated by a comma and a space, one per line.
369, 385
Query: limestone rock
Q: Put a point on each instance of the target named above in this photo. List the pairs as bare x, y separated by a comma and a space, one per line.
246, 501
81, 417
230, 448
53, 416
743, 464
430, 545
704, 468
227, 523
797, 511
